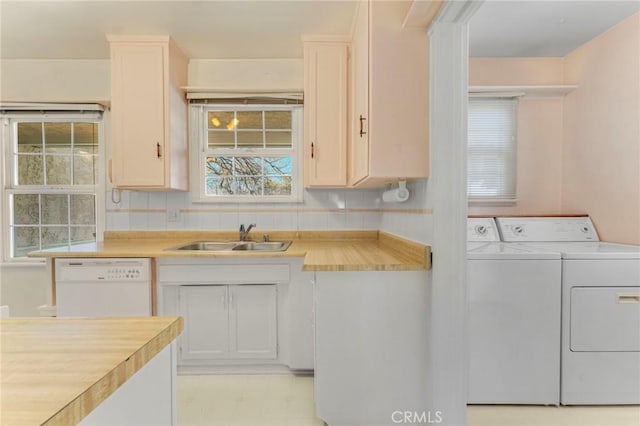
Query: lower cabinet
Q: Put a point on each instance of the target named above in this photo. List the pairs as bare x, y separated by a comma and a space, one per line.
240, 316
228, 321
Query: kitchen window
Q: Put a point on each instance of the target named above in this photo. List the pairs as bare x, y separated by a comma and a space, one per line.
491, 156
246, 153
50, 178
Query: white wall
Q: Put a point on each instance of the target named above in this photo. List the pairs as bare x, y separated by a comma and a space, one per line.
601, 157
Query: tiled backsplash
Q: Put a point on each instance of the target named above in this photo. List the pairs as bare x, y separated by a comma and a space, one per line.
321, 209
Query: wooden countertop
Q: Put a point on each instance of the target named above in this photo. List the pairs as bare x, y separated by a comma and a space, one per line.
321, 250
55, 371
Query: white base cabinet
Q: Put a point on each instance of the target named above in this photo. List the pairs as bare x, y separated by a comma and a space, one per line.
239, 317
371, 334
228, 321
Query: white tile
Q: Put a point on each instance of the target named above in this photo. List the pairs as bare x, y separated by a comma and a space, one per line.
138, 221
121, 196
178, 199
337, 220
157, 200
117, 221
286, 221
228, 221
138, 200
156, 221
354, 220
312, 221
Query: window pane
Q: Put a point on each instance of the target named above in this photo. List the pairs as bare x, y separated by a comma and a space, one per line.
85, 134
83, 209
217, 185
249, 139
26, 209
25, 240
277, 185
277, 166
83, 234
248, 166
29, 137
54, 236
248, 185
55, 209
278, 139
30, 171
277, 119
249, 119
85, 171
58, 170
220, 120
221, 139
57, 136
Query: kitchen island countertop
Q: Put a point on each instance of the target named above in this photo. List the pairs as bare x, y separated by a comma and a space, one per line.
55, 371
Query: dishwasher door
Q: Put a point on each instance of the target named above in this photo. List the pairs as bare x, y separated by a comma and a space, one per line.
103, 287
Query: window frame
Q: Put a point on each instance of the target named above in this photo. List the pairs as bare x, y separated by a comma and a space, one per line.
199, 151
9, 118
505, 199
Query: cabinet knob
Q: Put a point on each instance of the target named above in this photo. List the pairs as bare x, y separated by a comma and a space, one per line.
158, 150
362, 119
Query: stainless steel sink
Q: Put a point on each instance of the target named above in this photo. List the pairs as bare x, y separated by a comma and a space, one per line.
234, 246
206, 246
264, 246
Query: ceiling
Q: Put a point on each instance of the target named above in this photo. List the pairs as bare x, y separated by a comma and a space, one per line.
255, 29
542, 28
213, 29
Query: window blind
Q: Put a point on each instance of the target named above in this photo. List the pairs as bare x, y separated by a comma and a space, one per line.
491, 149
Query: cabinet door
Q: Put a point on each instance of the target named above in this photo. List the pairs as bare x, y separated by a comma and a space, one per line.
325, 114
359, 141
138, 101
253, 321
206, 321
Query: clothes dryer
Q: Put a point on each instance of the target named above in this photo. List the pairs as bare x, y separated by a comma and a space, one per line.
600, 362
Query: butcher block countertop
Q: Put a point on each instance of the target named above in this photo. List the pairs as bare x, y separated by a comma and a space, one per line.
321, 250
55, 371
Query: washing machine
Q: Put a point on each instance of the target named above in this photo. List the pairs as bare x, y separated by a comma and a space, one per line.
600, 360
514, 320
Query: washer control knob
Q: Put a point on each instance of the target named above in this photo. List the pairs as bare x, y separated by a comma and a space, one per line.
518, 229
481, 230
584, 229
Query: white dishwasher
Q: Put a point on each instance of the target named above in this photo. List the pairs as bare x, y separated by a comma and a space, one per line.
103, 287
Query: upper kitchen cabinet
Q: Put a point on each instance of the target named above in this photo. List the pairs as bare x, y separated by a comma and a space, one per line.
148, 113
389, 89
325, 112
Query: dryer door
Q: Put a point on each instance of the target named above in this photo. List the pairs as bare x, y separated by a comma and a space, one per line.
605, 319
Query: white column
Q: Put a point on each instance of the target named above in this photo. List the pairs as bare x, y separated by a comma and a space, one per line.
447, 364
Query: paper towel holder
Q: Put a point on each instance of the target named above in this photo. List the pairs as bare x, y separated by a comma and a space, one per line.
398, 195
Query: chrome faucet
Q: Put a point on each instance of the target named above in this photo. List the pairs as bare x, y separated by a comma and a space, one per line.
243, 233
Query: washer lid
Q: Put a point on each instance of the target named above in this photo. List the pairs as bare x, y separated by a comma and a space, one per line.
589, 250
482, 229
502, 251
526, 229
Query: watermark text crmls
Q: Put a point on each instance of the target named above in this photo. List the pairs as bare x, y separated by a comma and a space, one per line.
416, 417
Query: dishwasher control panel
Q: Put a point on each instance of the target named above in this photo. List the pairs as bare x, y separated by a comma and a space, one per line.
91, 270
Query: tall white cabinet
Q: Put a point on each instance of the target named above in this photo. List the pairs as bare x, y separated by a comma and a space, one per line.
148, 113
325, 111
389, 95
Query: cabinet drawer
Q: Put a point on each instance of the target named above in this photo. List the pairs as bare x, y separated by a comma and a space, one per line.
605, 319
223, 274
